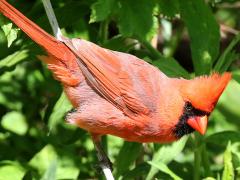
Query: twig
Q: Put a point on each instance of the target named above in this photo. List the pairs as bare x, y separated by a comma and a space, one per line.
52, 19
235, 5
104, 162
228, 29
108, 173
103, 32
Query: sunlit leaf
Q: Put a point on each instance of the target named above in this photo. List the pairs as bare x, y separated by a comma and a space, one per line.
228, 172
11, 171
166, 154
50, 174
43, 161
10, 33
15, 122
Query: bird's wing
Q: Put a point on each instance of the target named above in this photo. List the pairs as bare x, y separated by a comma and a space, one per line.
126, 81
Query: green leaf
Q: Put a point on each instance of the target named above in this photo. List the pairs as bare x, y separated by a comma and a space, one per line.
15, 122
43, 161
154, 53
228, 105
50, 174
119, 43
67, 167
236, 157
228, 171
10, 33
11, 171
228, 56
163, 167
165, 154
171, 67
138, 171
169, 8
136, 19
101, 10
126, 157
12, 60
59, 111
10, 92
204, 34
236, 75
222, 138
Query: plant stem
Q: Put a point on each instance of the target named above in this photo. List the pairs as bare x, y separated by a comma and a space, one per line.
206, 162
154, 52
103, 32
197, 158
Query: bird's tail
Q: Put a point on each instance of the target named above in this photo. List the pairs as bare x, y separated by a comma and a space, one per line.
60, 58
48, 42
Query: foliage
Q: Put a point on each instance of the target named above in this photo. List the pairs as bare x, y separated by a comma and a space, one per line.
183, 38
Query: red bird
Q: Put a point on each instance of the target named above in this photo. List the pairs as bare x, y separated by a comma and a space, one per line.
119, 94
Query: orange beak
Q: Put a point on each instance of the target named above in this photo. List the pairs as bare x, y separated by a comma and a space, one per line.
198, 123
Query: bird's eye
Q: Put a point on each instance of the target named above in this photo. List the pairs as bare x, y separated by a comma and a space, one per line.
188, 106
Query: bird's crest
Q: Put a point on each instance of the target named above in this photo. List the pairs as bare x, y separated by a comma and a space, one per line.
203, 92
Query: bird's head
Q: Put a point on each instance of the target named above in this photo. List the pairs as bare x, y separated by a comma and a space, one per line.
200, 96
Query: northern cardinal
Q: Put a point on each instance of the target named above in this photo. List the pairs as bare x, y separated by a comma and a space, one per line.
119, 94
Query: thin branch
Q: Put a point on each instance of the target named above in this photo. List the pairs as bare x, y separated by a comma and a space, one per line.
103, 159
235, 5
228, 29
108, 173
52, 19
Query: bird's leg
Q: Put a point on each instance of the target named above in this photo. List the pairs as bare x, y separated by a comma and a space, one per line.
73, 117
104, 161
102, 157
